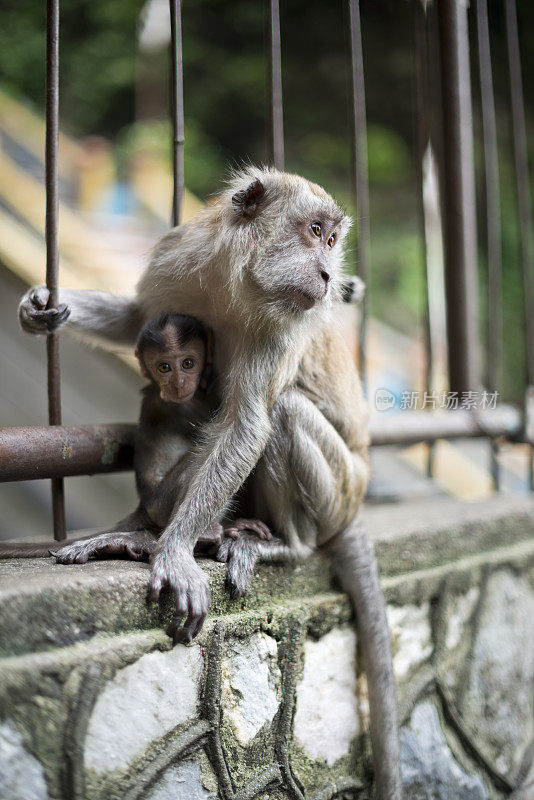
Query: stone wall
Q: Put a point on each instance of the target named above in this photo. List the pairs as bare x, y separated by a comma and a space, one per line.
270, 701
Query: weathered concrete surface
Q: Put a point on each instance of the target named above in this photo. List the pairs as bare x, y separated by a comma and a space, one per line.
271, 696
71, 603
181, 782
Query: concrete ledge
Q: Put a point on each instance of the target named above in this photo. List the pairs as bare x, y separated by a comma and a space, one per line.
269, 699
45, 605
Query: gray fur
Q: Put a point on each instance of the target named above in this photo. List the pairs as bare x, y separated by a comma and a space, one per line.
291, 403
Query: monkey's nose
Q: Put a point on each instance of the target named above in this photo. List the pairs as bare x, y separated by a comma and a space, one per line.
325, 276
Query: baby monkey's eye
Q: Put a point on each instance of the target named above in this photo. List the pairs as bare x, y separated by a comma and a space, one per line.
164, 367
316, 228
188, 363
331, 241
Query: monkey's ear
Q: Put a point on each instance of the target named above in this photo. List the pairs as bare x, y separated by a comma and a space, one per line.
247, 202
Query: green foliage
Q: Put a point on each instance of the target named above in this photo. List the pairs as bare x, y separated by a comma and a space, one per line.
97, 56
204, 159
388, 156
226, 89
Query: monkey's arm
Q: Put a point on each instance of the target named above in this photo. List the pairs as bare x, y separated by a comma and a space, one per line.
106, 318
231, 448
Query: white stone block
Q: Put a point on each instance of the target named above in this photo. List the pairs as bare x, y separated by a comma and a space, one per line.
143, 702
326, 717
410, 635
21, 775
429, 769
250, 684
181, 782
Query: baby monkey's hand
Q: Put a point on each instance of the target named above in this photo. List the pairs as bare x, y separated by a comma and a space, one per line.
234, 529
209, 542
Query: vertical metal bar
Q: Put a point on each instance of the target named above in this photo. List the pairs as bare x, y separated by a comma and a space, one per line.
459, 201
359, 154
493, 215
523, 193
52, 256
177, 109
422, 125
277, 111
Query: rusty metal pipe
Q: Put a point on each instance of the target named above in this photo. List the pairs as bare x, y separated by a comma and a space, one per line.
459, 211
360, 172
427, 426
52, 252
60, 451
177, 110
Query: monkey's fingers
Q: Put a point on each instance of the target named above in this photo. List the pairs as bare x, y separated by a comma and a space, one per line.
232, 532
242, 559
136, 554
224, 551
39, 296
49, 318
256, 526
155, 587
174, 629
72, 554
193, 607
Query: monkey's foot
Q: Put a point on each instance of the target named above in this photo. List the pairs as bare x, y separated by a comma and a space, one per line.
136, 545
256, 526
241, 555
176, 569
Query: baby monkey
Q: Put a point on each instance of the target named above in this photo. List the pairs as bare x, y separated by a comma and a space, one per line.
175, 353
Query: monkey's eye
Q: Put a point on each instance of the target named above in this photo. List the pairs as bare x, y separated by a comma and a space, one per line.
188, 363
331, 241
164, 367
316, 228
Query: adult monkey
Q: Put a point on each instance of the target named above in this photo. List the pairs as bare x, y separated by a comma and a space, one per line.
261, 265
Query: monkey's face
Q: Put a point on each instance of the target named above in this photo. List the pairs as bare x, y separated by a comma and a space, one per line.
296, 232
176, 369
302, 267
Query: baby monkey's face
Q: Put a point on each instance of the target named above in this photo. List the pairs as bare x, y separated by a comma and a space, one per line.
177, 369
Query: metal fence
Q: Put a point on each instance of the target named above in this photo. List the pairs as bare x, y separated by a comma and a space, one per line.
57, 452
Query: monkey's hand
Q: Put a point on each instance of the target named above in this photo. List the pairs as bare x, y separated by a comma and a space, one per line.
176, 569
241, 555
251, 525
35, 317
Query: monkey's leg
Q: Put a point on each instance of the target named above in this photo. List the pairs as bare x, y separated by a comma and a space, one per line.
320, 493
355, 565
134, 537
98, 316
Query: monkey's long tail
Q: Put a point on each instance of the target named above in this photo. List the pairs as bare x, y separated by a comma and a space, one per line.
355, 565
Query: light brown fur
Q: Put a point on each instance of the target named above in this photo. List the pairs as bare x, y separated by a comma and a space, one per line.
249, 268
